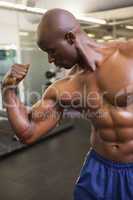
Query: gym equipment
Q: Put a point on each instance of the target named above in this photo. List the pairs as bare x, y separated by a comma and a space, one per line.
8, 142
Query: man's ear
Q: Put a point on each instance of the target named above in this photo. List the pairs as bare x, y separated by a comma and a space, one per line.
70, 37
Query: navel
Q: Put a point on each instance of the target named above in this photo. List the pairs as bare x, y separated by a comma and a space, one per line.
115, 147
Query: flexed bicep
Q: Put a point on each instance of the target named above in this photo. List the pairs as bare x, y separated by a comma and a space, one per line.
44, 116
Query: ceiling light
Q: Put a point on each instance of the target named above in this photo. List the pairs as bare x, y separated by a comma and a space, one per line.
91, 19
129, 27
91, 35
121, 38
100, 40
107, 37
22, 33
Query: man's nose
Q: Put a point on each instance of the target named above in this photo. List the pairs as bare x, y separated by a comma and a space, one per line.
50, 59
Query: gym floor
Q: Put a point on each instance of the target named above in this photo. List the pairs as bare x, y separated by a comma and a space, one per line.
47, 170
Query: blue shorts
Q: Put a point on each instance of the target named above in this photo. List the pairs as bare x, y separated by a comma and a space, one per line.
102, 179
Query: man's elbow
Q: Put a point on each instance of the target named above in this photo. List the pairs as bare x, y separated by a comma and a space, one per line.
30, 139
26, 135
25, 141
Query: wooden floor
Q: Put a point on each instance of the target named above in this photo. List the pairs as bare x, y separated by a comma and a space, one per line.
48, 170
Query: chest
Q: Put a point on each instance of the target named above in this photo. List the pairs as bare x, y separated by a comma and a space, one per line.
81, 92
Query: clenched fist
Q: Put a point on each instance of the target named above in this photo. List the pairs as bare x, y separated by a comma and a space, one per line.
15, 75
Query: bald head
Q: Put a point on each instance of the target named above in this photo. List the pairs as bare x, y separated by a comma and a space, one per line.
56, 22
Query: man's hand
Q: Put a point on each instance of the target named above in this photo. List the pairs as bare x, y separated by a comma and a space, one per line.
15, 75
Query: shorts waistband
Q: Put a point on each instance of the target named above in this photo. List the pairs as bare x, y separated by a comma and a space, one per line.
109, 163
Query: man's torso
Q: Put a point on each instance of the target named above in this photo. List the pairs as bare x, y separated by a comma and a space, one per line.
106, 98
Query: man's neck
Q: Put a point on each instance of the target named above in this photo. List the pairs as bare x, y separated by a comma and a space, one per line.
91, 54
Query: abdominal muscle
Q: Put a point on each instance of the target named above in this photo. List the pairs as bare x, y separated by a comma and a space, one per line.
106, 143
112, 134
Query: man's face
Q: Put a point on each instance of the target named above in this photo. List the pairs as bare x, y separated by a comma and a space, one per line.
60, 52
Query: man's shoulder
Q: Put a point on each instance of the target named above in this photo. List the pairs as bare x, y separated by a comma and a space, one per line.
69, 84
57, 88
115, 51
124, 47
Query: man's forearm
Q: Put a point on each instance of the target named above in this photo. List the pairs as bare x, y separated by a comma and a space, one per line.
17, 114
